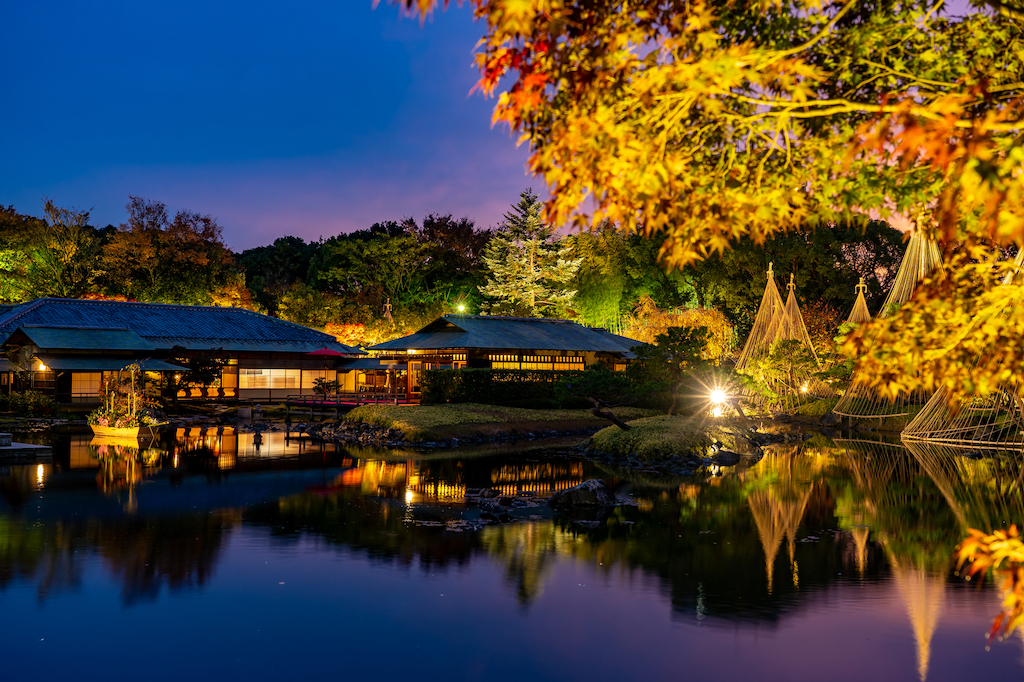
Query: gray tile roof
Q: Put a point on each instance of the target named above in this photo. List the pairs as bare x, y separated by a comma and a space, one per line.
194, 327
85, 338
491, 332
104, 363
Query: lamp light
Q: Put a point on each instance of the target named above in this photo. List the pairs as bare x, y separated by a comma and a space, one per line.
42, 367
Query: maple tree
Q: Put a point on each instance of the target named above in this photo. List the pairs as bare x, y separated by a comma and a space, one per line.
703, 122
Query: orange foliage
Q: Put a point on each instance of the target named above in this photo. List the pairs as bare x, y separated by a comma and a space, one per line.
648, 322
235, 295
348, 334
1003, 553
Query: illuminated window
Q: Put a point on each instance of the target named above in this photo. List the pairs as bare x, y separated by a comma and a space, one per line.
269, 378
85, 384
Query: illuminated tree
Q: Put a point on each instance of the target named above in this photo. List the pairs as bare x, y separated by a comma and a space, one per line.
529, 267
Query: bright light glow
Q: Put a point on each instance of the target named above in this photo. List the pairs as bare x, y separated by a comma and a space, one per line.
717, 411
803, 389
718, 396
462, 308
39, 474
412, 351
408, 497
42, 367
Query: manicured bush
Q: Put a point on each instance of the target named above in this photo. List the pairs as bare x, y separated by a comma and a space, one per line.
520, 387
28, 402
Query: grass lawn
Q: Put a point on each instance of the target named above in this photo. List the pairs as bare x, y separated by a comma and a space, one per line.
657, 438
458, 420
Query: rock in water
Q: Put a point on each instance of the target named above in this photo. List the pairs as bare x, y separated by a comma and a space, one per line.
726, 458
592, 493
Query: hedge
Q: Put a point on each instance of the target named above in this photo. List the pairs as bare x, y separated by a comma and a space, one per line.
516, 387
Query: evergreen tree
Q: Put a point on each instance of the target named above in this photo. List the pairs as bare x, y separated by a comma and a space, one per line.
529, 267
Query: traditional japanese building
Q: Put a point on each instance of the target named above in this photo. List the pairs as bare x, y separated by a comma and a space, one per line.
63, 347
491, 341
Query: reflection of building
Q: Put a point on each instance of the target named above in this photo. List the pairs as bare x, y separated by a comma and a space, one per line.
68, 345
492, 341
230, 448
549, 477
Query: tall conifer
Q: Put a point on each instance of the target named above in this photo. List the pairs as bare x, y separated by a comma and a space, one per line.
529, 266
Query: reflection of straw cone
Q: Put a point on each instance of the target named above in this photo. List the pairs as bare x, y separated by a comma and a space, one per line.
924, 596
860, 539
776, 519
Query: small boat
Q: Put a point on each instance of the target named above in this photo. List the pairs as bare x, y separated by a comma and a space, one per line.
113, 432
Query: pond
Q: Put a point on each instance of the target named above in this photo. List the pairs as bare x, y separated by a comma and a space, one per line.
212, 558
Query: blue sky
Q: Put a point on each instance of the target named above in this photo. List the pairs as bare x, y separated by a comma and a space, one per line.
307, 119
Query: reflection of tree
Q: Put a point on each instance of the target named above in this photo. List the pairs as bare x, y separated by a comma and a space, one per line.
372, 525
144, 554
177, 551
527, 550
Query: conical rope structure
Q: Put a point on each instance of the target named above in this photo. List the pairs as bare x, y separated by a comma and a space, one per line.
775, 322
861, 401
991, 420
766, 324
860, 313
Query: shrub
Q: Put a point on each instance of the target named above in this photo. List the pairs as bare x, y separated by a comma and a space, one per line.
28, 402
519, 387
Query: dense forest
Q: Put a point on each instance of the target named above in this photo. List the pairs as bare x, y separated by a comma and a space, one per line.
388, 279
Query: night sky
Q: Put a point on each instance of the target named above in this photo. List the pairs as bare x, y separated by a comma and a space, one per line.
307, 119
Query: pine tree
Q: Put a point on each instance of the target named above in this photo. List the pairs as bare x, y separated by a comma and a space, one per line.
529, 266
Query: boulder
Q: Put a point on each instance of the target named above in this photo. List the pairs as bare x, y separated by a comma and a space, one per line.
830, 419
726, 458
592, 493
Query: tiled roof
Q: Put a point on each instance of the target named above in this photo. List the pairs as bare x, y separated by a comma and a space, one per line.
104, 363
194, 327
85, 338
492, 332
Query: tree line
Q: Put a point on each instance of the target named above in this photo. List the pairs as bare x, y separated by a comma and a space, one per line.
394, 276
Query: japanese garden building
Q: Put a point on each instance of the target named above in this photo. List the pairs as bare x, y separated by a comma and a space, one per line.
64, 346
495, 342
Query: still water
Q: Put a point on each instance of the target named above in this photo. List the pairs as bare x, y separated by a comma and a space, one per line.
207, 555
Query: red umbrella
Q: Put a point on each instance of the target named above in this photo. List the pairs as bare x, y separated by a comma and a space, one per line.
326, 351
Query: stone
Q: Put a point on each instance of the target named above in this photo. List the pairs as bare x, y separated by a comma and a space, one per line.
592, 493
830, 419
726, 458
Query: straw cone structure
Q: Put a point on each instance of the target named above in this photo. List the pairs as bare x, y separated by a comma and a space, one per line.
777, 321
792, 326
766, 325
860, 313
861, 401
991, 420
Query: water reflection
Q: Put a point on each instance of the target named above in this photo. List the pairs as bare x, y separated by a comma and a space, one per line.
813, 528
